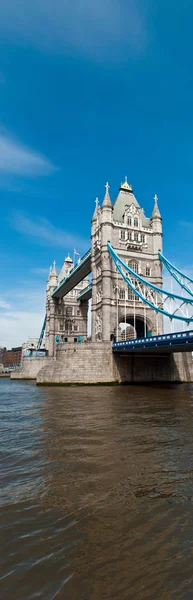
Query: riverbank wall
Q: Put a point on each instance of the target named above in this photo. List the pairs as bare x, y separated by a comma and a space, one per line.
30, 367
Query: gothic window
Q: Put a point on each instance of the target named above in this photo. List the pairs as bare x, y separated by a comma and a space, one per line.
130, 235
61, 326
148, 272
69, 327
122, 294
134, 266
136, 236
136, 222
122, 234
130, 294
75, 327
78, 312
69, 311
143, 238
129, 221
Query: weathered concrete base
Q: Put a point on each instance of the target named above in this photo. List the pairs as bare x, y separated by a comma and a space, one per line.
95, 363
30, 367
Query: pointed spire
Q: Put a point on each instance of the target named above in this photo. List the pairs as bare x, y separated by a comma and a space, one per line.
96, 210
156, 211
107, 200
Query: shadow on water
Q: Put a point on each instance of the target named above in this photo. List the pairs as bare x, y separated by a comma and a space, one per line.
96, 492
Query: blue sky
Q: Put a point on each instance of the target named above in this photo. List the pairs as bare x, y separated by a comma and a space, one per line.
90, 91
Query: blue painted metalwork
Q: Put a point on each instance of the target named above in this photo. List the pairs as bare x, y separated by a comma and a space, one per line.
117, 260
174, 272
182, 338
42, 333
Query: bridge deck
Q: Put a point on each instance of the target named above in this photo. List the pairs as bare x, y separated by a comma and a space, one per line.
174, 342
86, 293
80, 271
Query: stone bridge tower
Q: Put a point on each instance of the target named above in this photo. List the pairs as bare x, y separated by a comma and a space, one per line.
137, 239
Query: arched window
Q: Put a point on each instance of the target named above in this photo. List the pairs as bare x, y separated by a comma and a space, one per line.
122, 294
143, 238
122, 234
130, 235
136, 236
148, 272
129, 221
134, 266
130, 294
136, 222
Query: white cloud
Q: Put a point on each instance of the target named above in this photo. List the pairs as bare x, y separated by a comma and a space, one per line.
18, 160
4, 304
47, 234
97, 28
24, 318
17, 326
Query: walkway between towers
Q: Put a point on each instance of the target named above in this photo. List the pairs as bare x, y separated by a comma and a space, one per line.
79, 272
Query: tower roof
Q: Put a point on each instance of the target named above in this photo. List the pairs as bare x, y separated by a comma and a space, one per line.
107, 200
156, 211
124, 200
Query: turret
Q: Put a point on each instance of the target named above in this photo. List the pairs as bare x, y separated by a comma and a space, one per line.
53, 279
156, 219
106, 236
156, 224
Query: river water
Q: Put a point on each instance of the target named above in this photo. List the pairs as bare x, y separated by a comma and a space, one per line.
96, 497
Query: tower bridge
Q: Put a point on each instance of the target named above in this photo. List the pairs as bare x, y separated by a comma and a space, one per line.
129, 303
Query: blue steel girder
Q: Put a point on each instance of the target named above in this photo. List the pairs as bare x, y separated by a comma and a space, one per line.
176, 274
42, 332
119, 263
166, 343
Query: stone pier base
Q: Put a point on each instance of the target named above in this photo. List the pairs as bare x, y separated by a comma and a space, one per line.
30, 367
95, 363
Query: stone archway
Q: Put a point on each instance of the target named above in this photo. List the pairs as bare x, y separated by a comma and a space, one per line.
137, 328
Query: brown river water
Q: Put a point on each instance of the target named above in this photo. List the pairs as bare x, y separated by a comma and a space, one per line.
96, 496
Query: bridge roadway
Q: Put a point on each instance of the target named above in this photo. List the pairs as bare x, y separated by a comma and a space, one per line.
181, 341
79, 272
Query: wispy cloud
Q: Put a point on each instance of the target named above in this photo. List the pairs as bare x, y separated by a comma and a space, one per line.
47, 234
40, 271
17, 326
24, 317
97, 28
16, 159
4, 304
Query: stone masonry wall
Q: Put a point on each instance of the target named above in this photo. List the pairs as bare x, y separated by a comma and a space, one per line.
30, 367
95, 363
81, 363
